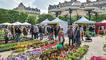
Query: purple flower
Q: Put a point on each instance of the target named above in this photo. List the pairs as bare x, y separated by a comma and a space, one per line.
10, 58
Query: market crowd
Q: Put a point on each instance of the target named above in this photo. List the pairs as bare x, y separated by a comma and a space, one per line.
53, 32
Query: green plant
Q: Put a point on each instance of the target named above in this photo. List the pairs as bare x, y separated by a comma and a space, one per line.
21, 53
71, 57
77, 54
104, 45
11, 55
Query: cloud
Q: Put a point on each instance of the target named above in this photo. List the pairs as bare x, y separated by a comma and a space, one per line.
42, 4
8, 4
28, 3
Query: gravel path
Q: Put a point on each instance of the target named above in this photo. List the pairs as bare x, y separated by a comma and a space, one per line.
95, 48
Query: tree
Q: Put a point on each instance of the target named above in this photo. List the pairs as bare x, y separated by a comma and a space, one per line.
64, 18
3, 15
99, 18
23, 16
45, 16
32, 19
13, 16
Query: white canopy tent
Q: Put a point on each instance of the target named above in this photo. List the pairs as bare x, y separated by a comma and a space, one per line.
45, 22
92, 22
26, 23
57, 20
84, 20
62, 24
17, 23
6, 23
103, 21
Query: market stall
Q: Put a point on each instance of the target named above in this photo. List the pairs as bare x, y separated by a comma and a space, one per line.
100, 26
17, 23
26, 23
6, 23
103, 21
61, 23
45, 22
84, 22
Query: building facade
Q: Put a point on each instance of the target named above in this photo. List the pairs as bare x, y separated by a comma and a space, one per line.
29, 10
78, 8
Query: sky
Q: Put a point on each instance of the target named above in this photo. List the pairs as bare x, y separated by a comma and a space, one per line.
41, 4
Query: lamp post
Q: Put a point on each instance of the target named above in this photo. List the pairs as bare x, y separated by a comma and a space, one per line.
96, 15
57, 13
70, 11
89, 14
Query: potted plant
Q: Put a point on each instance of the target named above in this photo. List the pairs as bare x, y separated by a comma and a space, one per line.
104, 48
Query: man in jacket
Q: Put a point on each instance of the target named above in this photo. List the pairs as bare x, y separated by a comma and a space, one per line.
18, 33
70, 35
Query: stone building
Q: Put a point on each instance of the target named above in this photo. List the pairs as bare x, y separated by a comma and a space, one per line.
29, 10
78, 8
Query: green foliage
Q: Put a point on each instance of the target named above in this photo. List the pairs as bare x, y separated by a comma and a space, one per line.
22, 17
11, 55
75, 18
65, 18
45, 16
32, 19
3, 15
93, 18
100, 17
104, 45
12, 16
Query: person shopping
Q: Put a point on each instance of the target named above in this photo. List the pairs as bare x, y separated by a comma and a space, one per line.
61, 36
70, 35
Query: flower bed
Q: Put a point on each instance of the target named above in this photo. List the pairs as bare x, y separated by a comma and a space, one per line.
23, 38
21, 46
67, 53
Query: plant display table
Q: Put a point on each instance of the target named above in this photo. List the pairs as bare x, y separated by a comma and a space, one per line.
51, 52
